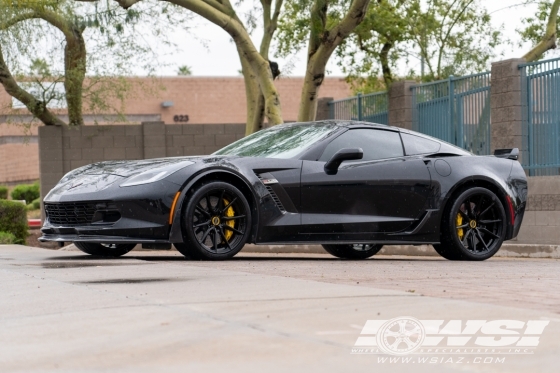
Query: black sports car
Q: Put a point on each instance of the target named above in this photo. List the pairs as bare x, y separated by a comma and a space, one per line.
350, 186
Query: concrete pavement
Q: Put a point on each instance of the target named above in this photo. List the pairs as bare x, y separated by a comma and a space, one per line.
152, 311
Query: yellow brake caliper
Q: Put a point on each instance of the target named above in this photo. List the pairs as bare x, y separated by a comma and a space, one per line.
459, 221
231, 223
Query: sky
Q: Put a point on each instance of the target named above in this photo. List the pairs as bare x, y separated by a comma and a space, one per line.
211, 53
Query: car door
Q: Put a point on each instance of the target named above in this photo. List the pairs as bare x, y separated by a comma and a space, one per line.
382, 193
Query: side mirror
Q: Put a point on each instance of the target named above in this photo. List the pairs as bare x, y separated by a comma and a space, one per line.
346, 154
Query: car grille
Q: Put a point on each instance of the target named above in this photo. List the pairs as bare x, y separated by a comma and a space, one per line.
80, 213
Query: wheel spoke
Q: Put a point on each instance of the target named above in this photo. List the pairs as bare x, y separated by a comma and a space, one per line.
228, 205
208, 205
221, 200
201, 210
232, 229
224, 238
468, 207
481, 240
464, 214
490, 233
479, 204
462, 226
205, 235
201, 224
490, 221
216, 237
473, 242
464, 241
232, 217
486, 210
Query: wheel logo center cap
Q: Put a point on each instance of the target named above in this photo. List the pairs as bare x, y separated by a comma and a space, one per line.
216, 220
472, 224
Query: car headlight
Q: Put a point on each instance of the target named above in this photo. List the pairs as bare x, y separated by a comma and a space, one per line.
154, 175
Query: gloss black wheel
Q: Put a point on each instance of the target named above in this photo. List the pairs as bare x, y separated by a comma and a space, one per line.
354, 251
217, 221
104, 249
474, 227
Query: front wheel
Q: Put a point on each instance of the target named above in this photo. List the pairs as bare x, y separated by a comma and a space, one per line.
355, 251
105, 249
216, 222
474, 227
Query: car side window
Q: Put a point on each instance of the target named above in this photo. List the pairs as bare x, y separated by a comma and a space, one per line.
377, 144
414, 145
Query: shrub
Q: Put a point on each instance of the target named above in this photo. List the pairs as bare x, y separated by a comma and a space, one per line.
27, 192
3, 192
13, 219
35, 205
7, 238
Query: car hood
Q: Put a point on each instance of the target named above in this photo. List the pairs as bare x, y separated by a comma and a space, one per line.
99, 176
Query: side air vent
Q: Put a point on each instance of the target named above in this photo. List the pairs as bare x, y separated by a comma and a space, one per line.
272, 193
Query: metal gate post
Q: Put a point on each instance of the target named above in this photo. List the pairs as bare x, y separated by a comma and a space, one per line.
360, 106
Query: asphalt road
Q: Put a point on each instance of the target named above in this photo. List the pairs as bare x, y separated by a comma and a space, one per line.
62, 311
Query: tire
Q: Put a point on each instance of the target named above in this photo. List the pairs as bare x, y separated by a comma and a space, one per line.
216, 222
109, 250
356, 251
473, 227
187, 251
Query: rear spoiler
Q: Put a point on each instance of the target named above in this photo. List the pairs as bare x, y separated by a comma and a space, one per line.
507, 153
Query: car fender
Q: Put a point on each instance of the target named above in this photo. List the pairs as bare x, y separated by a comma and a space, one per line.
175, 234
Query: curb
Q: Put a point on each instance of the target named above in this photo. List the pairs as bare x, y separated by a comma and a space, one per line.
507, 250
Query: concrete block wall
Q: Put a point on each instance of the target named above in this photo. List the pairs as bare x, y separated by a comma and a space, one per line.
541, 224
506, 104
400, 104
62, 149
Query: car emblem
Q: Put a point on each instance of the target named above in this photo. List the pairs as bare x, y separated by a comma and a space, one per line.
269, 181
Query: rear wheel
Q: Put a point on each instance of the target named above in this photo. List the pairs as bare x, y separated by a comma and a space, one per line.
355, 251
474, 227
216, 222
105, 249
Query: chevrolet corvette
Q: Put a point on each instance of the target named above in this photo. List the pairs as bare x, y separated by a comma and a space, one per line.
349, 186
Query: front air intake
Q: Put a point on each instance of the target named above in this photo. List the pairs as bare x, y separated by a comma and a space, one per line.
70, 213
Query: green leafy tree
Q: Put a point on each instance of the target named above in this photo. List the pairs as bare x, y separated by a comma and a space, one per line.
433, 39
321, 25
328, 23
541, 29
43, 44
256, 68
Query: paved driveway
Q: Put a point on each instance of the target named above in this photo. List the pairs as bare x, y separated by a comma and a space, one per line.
153, 311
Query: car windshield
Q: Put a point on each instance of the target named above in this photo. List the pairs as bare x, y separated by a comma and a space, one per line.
279, 142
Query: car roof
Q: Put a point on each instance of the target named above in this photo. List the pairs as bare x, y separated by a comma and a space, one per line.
349, 124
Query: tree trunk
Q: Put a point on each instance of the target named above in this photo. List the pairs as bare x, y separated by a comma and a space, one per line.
385, 66
255, 99
549, 39
322, 43
36, 107
225, 17
75, 72
312, 82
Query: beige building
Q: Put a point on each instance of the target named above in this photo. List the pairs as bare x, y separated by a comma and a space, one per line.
181, 100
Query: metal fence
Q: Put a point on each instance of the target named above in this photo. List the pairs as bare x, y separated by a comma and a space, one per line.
456, 110
372, 107
540, 88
